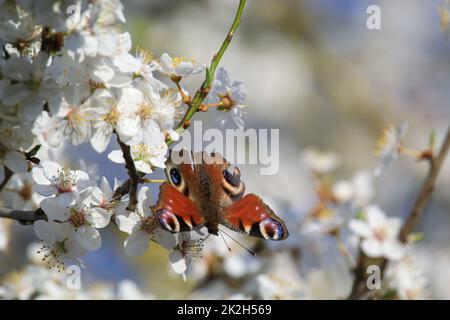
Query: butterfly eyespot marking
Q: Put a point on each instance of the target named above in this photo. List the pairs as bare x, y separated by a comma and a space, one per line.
230, 178
271, 229
232, 183
175, 176
168, 221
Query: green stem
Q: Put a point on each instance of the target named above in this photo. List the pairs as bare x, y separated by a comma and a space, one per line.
201, 93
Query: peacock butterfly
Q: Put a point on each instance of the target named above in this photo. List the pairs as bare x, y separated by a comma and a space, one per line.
205, 194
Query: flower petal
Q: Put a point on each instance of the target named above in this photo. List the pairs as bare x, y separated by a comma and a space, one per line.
116, 156
99, 217
16, 162
360, 228
39, 176
89, 238
137, 243
372, 248
177, 261
51, 169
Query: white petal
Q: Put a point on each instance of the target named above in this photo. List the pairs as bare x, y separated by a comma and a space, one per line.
177, 261
137, 243
127, 63
51, 169
74, 249
97, 197
46, 190
127, 223
128, 128
376, 217
393, 226
184, 69
166, 63
53, 210
116, 156
106, 188
372, 248
173, 135
143, 167
44, 231
164, 238
144, 198
393, 250
85, 184
103, 71
107, 43
65, 199
39, 176
89, 238
16, 162
359, 227
80, 175
99, 217
101, 137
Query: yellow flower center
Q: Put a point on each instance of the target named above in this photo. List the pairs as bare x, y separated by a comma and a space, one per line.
112, 116
145, 111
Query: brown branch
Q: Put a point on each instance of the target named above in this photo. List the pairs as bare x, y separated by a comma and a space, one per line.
132, 173
359, 288
427, 189
8, 175
121, 190
23, 217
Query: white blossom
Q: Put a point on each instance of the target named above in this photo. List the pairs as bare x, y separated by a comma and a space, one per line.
142, 226
145, 157
408, 280
389, 144
379, 234
20, 194
186, 250
60, 244
59, 183
83, 217
321, 161
232, 95
177, 67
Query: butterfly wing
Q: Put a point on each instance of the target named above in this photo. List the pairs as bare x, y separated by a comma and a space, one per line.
250, 215
176, 212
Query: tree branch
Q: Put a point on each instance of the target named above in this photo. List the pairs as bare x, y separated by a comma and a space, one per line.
203, 91
23, 217
121, 190
427, 189
359, 289
132, 173
8, 175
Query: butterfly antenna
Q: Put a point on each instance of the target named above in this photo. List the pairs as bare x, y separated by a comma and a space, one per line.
203, 240
223, 238
240, 244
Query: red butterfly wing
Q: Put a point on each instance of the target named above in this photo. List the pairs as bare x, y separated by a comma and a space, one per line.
176, 212
252, 216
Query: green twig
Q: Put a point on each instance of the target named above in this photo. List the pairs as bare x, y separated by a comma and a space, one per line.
201, 93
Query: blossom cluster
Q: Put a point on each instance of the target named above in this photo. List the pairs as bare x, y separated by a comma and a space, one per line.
67, 75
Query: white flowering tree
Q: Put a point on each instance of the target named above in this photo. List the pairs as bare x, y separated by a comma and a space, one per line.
67, 76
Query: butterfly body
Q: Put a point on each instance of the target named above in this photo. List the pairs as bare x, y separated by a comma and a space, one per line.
201, 192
